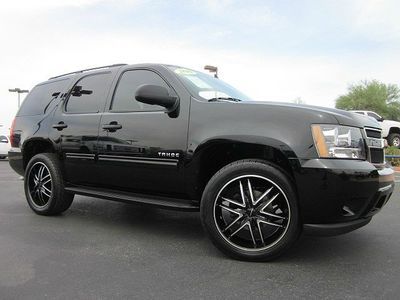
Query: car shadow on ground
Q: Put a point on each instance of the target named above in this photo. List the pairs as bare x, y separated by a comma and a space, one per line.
150, 220
169, 226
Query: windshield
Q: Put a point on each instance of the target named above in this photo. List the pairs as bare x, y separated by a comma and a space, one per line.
208, 87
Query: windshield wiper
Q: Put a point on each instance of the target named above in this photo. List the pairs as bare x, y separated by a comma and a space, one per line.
224, 99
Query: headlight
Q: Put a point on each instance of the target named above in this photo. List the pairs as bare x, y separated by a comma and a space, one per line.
335, 141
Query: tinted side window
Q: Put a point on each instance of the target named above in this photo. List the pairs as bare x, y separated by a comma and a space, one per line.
40, 97
88, 94
124, 96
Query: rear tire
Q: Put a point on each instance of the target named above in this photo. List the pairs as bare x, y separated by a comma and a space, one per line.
44, 185
394, 140
249, 210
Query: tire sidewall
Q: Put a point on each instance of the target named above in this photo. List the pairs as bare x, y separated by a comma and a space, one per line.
237, 169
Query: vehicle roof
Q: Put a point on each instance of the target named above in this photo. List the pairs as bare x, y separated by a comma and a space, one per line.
101, 68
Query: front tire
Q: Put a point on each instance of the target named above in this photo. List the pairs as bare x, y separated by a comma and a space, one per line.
394, 140
249, 210
44, 185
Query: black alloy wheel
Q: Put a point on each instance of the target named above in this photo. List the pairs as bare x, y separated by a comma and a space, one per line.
40, 184
249, 210
44, 185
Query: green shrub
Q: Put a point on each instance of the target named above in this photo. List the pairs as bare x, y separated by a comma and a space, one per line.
393, 151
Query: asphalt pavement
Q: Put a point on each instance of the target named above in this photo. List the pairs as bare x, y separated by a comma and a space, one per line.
100, 249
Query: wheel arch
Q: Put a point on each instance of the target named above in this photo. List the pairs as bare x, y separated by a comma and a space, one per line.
394, 130
212, 155
35, 146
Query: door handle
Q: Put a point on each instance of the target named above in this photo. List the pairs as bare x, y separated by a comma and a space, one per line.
113, 126
60, 126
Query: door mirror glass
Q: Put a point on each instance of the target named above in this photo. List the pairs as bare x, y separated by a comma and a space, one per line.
156, 95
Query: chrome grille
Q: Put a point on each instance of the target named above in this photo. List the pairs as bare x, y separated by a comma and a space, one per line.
375, 144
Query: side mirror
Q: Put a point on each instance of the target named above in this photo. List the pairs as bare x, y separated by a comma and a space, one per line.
156, 95
381, 119
77, 91
4, 141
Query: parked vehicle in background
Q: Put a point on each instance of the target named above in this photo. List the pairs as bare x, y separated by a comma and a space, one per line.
390, 128
4, 146
260, 173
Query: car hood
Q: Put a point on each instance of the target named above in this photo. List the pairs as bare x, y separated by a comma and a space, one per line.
343, 117
391, 123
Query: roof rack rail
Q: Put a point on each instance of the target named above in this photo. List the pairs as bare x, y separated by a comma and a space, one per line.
86, 70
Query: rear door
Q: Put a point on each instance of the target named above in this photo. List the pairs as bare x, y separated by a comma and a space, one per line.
75, 126
141, 147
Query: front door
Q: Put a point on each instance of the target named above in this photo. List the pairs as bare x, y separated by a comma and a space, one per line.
76, 127
140, 146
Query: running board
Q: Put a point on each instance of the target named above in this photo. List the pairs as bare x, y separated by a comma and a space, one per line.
163, 202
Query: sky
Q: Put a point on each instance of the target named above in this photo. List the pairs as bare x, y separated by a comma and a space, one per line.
270, 50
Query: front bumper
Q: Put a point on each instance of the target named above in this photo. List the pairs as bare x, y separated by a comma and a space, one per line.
334, 229
338, 196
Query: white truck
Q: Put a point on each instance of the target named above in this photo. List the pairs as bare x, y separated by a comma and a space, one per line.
390, 129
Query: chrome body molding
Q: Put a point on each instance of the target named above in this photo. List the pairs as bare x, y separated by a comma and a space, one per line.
118, 158
140, 160
80, 156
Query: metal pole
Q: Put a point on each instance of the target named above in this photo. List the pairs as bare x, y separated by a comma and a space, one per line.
212, 69
19, 92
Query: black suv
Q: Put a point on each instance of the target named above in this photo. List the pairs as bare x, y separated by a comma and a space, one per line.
259, 173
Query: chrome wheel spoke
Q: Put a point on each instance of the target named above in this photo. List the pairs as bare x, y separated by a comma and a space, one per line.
272, 215
263, 195
46, 189
41, 197
252, 235
268, 203
260, 232
47, 181
237, 230
250, 192
234, 202
45, 192
244, 199
45, 177
268, 222
230, 210
41, 170
239, 216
